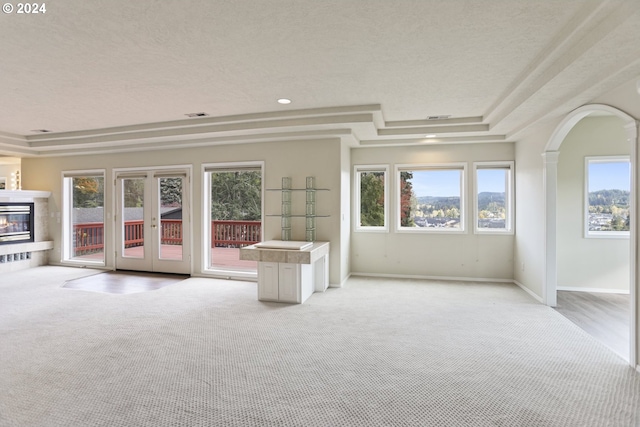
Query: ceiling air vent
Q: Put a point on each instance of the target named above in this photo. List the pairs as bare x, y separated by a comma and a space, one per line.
41, 130
438, 117
196, 115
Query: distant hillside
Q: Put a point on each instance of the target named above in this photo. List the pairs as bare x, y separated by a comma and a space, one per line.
439, 202
431, 200
484, 199
618, 198
487, 197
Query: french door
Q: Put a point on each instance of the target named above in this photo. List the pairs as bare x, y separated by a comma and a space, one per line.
152, 221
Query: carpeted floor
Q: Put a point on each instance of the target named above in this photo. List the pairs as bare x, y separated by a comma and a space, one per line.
378, 352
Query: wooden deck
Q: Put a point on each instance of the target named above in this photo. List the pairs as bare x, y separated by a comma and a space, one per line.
220, 257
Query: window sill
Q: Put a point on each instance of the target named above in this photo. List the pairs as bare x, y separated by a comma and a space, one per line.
429, 230
494, 232
607, 235
371, 230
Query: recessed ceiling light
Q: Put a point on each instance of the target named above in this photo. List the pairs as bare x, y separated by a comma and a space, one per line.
430, 135
196, 114
41, 130
284, 101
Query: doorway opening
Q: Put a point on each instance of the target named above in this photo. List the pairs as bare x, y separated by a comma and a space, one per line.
153, 230
586, 250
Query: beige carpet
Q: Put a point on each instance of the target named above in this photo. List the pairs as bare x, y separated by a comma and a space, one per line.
205, 352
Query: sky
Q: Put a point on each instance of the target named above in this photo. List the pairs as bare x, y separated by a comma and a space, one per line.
445, 183
609, 176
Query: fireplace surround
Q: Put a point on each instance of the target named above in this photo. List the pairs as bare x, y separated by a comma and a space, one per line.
25, 250
16, 223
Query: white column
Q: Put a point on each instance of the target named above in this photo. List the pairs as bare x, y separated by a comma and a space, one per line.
632, 130
550, 188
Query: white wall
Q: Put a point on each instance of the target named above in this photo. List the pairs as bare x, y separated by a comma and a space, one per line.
588, 264
345, 212
296, 159
529, 241
468, 256
530, 202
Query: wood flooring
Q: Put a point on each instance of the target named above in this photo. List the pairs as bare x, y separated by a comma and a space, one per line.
604, 316
124, 282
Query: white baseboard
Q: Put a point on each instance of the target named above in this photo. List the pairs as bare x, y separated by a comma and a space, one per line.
420, 277
529, 291
342, 283
593, 290
455, 279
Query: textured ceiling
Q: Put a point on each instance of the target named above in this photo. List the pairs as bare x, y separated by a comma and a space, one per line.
84, 66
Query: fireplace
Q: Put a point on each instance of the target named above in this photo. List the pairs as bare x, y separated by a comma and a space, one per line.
16, 223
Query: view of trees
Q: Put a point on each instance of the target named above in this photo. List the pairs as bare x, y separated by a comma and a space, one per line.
171, 192
609, 210
407, 200
438, 207
236, 195
88, 192
372, 199
133, 189
424, 211
491, 205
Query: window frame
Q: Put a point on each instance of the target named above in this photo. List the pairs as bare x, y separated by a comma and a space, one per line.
458, 166
588, 234
509, 197
207, 169
357, 170
67, 216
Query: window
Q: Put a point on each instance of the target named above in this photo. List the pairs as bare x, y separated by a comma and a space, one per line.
371, 198
430, 197
83, 238
607, 188
493, 197
233, 216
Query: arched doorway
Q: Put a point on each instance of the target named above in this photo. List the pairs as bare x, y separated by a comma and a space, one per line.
550, 175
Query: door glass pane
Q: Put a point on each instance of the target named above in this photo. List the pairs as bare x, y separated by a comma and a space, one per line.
170, 218
133, 217
236, 215
87, 218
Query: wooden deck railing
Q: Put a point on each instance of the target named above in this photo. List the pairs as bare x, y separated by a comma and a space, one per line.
89, 237
234, 234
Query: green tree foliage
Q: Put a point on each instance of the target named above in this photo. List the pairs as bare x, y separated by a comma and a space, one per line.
611, 202
372, 199
602, 201
236, 195
438, 207
171, 192
133, 192
407, 199
88, 192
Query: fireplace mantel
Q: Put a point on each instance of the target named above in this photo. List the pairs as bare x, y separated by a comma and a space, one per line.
22, 195
21, 255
